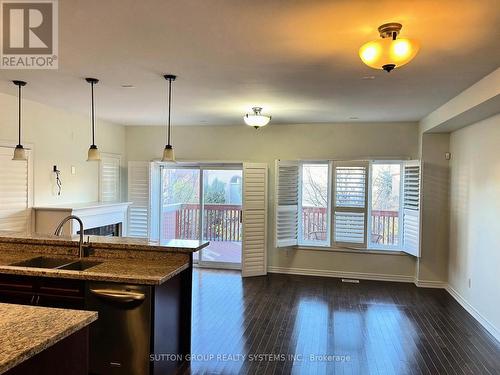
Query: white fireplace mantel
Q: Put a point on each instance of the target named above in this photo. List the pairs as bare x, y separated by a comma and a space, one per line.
93, 215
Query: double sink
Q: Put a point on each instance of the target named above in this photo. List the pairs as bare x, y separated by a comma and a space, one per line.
57, 263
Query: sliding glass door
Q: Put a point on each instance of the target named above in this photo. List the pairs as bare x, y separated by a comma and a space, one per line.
222, 224
204, 203
180, 204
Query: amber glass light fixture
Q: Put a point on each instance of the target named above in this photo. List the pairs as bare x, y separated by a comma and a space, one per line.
389, 52
168, 151
93, 153
19, 151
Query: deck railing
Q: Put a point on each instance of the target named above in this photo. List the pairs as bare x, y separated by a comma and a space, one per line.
222, 222
385, 227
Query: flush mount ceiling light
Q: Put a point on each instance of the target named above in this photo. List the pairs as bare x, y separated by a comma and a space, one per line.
256, 119
93, 154
168, 151
19, 151
389, 52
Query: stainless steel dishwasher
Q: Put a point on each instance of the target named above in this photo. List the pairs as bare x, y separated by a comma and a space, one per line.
120, 339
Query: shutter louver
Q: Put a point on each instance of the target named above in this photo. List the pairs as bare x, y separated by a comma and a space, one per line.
350, 205
14, 192
254, 260
109, 178
286, 203
411, 207
139, 195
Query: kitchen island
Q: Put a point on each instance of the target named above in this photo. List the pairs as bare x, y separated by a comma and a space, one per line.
141, 289
34, 339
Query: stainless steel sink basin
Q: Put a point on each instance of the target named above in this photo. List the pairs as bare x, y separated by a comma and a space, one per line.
57, 263
79, 265
43, 262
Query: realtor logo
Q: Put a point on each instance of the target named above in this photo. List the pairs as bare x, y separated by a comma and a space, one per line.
29, 38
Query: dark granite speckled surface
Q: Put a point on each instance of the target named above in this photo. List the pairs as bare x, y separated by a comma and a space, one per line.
28, 330
134, 271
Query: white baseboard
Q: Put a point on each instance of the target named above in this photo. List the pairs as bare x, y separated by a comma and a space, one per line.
340, 274
431, 284
476, 314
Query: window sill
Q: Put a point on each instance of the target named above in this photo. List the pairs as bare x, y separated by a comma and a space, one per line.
351, 250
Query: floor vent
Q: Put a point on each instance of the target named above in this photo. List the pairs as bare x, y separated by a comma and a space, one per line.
352, 281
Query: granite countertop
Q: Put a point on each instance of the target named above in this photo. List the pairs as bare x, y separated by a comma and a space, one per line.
124, 270
103, 242
28, 330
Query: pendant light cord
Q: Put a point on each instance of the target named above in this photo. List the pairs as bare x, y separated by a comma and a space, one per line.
19, 115
169, 109
93, 114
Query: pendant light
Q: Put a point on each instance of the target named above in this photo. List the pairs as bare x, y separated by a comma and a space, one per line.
93, 154
19, 151
256, 119
389, 52
168, 152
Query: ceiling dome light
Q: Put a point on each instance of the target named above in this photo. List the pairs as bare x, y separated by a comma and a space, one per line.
256, 119
388, 53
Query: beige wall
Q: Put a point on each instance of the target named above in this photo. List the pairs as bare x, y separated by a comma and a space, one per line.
328, 141
474, 217
59, 138
433, 264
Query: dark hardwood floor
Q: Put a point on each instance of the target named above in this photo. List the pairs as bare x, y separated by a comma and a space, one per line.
287, 324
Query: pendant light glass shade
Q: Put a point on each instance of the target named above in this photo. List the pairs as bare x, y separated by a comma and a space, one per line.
168, 151
168, 154
256, 119
389, 52
19, 151
93, 153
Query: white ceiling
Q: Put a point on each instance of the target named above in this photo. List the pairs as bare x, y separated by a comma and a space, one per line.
297, 59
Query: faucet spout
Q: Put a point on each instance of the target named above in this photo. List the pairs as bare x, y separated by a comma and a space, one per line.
59, 228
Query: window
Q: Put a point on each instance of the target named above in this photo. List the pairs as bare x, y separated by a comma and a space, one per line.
374, 204
314, 223
385, 205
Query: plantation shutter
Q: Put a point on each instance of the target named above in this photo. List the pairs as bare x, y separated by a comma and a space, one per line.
254, 260
154, 201
109, 178
412, 183
139, 195
350, 203
15, 200
286, 203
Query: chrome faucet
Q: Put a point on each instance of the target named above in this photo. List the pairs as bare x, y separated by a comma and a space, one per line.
58, 231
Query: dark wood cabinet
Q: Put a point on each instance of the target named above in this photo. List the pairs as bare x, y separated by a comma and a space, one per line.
41, 291
69, 356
